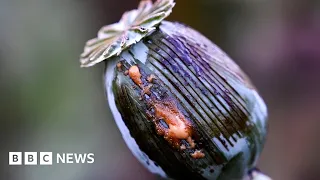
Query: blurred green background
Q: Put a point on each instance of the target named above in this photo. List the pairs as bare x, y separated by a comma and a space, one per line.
48, 103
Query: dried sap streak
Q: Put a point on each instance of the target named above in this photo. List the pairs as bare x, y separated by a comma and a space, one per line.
179, 126
135, 75
176, 127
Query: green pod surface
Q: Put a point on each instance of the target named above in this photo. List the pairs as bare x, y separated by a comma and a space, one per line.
184, 108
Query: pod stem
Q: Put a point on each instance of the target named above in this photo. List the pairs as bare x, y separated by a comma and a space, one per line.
256, 174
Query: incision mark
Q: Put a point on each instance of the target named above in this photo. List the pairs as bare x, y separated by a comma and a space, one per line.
165, 111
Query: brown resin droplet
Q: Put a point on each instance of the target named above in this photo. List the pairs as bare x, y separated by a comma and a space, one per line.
151, 78
197, 154
183, 147
135, 75
191, 142
119, 66
146, 90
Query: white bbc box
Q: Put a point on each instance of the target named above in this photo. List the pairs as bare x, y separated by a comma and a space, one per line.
30, 158
45, 158
15, 158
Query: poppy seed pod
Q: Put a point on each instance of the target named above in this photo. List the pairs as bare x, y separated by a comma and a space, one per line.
184, 108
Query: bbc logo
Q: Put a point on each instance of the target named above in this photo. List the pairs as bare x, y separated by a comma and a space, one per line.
30, 158
45, 158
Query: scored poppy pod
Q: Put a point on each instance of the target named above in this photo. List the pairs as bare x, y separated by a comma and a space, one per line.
184, 108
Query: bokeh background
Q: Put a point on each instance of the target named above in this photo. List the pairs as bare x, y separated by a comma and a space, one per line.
48, 103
